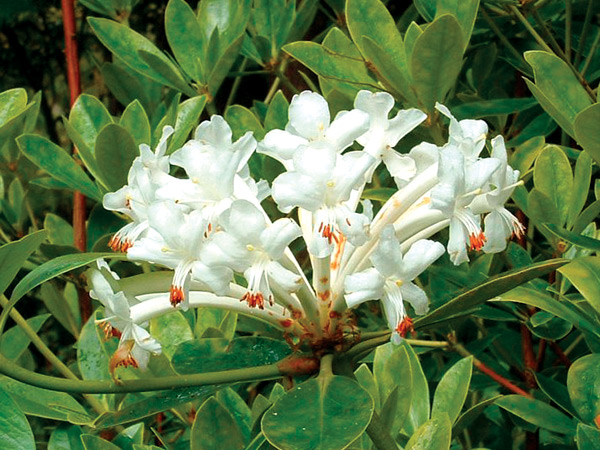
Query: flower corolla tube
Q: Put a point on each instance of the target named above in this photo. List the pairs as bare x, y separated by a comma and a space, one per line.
234, 242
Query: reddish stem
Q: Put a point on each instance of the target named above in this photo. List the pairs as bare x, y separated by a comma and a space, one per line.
561, 355
529, 357
74, 79
500, 379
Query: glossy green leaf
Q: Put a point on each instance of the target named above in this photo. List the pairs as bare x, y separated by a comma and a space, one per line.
367, 380
584, 388
435, 434
436, 60
171, 330
495, 107
469, 416
115, 152
553, 177
329, 64
208, 355
215, 318
223, 66
187, 118
587, 132
56, 267
57, 162
581, 186
420, 403
556, 391
452, 390
542, 125
154, 404
360, 17
400, 378
541, 209
242, 120
35, 401
588, 438
185, 37
277, 114
66, 437
135, 121
214, 428
91, 442
12, 103
15, 341
56, 303
537, 413
15, 432
14, 254
464, 11
584, 274
495, 286
238, 408
574, 238
126, 44
547, 326
556, 88
128, 86
87, 117
326, 413
60, 232
168, 72
545, 302
92, 353
379, 194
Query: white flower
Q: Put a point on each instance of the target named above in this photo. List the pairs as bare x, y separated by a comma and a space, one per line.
136, 344
390, 279
212, 163
459, 184
321, 182
468, 135
309, 121
384, 133
147, 173
175, 240
250, 246
500, 224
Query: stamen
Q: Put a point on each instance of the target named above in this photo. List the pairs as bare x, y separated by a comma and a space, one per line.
176, 295
477, 241
256, 299
123, 357
405, 326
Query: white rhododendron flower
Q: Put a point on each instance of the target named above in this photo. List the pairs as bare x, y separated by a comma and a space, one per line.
211, 226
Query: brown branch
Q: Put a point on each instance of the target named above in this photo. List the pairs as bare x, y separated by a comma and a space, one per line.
74, 79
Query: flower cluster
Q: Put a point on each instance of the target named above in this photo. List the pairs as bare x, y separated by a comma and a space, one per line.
211, 224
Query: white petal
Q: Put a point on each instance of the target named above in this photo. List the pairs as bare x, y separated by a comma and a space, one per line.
309, 115
405, 121
281, 145
292, 189
363, 286
349, 173
419, 257
276, 237
424, 155
216, 277
457, 243
355, 226
378, 105
346, 127
215, 132
496, 231
244, 221
387, 257
416, 296
480, 172
288, 280
399, 166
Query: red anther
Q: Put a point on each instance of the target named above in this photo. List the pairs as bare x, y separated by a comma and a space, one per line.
114, 243
126, 245
254, 299
477, 240
286, 323
176, 295
335, 315
405, 326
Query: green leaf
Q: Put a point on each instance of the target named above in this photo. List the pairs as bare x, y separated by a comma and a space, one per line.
469, 416
464, 11
434, 434
15, 341
584, 274
329, 64
92, 354
223, 66
360, 17
326, 413
35, 401
399, 376
154, 404
188, 115
185, 38
277, 114
490, 108
66, 437
584, 389
91, 442
556, 88
419, 406
57, 304
15, 432
539, 299
242, 120
436, 60
12, 103
60, 232
217, 319
214, 428
538, 413
451, 392
497, 285
14, 254
208, 355
239, 409
553, 177
135, 121
115, 152
586, 130
127, 44
588, 438
581, 186
54, 160
557, 392
171, 330
87, 117
55, 267
574, 238
367, 380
